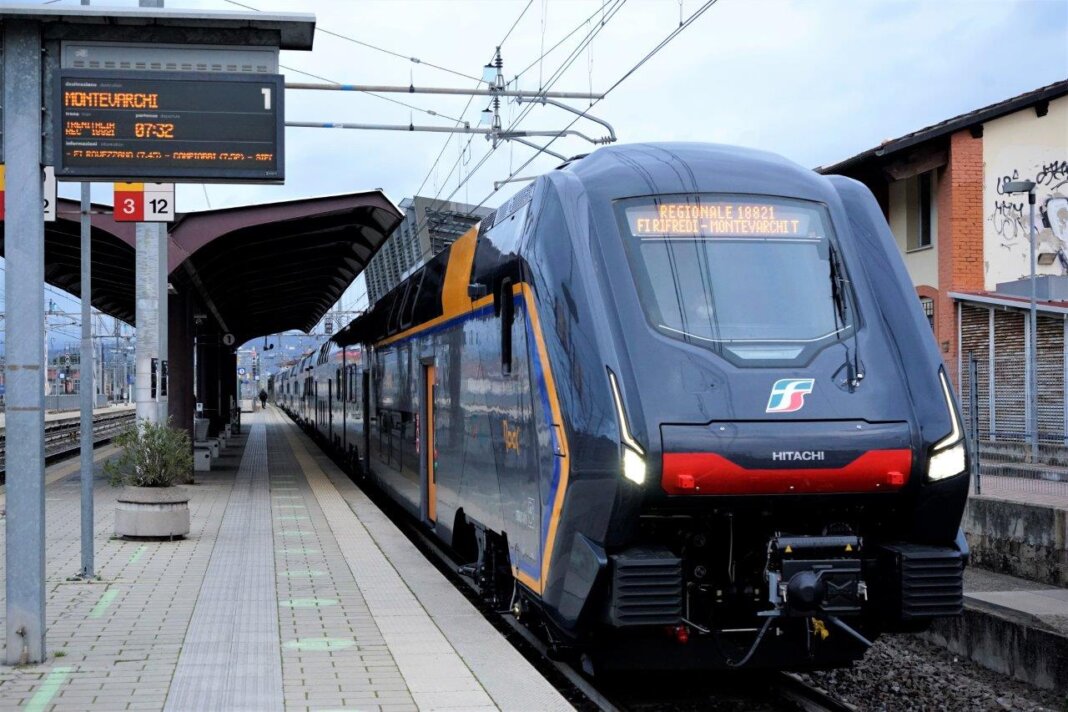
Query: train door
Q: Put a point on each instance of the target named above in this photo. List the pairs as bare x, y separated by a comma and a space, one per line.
329, 415
344, 395
429, 450
366, 393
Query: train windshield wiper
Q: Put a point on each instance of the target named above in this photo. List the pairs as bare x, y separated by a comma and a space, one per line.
839, 298
837, 292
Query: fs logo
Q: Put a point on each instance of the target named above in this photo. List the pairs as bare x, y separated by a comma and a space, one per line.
788, 394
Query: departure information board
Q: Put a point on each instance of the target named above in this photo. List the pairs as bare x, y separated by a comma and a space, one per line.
169, 126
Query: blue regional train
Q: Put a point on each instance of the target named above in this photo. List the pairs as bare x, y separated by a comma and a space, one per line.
677, 405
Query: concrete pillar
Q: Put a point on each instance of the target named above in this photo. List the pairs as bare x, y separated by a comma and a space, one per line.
208, 378
181, 404
228, 363
151, 293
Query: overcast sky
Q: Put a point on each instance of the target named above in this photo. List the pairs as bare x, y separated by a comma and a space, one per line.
814, 80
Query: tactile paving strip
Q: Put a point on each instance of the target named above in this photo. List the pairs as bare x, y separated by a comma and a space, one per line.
229, 660
434, 672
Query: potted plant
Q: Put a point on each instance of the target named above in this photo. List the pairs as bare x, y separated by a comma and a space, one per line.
153, 458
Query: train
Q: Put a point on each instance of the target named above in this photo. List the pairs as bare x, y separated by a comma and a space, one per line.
676, 406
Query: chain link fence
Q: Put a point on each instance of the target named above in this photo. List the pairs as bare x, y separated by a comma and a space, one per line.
1014, 453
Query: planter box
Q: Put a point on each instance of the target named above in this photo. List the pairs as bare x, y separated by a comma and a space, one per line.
160, 512
200, 428
201, 459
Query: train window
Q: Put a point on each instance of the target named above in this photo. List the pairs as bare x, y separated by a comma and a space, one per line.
507, 312
337, 384
398, 305
505, 234
758, 280
410, 300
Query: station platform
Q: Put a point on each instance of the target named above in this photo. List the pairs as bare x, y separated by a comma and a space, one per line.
1012, 489
292, 591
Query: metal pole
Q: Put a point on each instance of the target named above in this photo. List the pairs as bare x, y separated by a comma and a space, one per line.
24, 250
973, 417
387, 89
162, 389
493, 133
87, 389
1033, 355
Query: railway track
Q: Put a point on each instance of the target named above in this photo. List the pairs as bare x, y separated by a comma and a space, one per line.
773, 691
62, 434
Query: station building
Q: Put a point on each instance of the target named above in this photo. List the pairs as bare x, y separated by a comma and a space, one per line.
966, 245
429, 226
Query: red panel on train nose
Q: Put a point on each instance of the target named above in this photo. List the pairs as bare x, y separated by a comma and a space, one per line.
709, 473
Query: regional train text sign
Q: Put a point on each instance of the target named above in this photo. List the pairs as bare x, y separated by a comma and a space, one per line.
169, 126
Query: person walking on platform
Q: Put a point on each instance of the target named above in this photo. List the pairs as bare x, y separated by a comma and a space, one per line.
263, 399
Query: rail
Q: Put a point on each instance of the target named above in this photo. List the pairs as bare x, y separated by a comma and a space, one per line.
62, 435
794, 689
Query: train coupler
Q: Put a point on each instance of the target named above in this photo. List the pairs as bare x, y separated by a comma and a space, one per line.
816, 574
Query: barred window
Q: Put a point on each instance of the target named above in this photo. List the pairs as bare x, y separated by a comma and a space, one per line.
928, 309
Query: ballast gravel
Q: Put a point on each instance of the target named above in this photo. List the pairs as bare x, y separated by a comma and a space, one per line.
903, 672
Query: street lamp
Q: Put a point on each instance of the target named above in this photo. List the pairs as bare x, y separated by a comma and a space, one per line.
1028, 186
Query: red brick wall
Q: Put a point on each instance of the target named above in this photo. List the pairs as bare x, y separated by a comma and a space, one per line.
960, 237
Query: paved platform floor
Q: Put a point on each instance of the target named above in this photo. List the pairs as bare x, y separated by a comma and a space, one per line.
1037, 603
292, 592
1026, 491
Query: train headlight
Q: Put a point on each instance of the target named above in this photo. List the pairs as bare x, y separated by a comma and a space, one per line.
946, 463
633, 466
633, 453
948, 454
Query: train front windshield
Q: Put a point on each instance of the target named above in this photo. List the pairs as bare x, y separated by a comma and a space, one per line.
757, 280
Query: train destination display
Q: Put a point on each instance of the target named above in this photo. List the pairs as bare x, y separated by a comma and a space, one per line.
177, 127
719, 219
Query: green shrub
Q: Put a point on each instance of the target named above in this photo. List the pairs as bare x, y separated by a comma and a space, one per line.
153, 455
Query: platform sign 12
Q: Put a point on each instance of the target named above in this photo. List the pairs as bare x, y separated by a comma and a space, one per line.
144, 202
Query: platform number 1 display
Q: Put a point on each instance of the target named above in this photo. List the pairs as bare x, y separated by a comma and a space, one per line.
144, 202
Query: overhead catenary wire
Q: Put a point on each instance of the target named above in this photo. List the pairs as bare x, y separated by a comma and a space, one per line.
557, 74
626, 75
429, 112
368, 45
464, 113
467, 106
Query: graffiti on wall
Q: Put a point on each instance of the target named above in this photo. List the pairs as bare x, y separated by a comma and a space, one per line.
1009, 217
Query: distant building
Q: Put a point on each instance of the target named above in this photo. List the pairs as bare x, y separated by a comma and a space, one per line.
966, 245
429, 226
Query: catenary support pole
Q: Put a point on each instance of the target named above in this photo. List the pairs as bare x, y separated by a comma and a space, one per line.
86, 388
24, 322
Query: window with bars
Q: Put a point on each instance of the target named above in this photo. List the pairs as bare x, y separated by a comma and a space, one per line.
928, 309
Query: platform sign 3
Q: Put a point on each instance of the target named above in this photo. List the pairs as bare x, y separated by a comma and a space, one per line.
48, 193
144, 202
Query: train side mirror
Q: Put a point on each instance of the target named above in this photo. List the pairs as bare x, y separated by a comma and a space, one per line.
507, 313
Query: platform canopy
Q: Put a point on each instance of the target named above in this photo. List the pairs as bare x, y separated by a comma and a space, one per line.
255, 270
